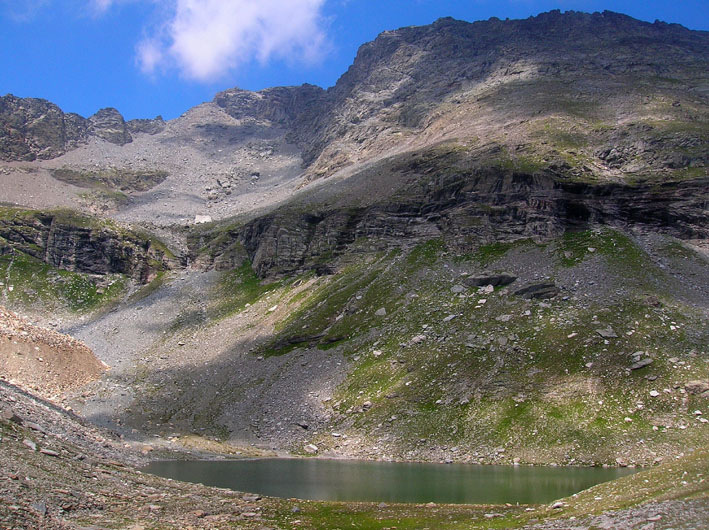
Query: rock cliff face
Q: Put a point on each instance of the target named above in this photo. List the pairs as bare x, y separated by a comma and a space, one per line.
467, 132
452, 79
32, 128
81, 244
108, 124
466, 210
406, 80
35, 128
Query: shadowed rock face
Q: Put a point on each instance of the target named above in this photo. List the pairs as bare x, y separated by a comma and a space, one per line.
77, 244
466, 209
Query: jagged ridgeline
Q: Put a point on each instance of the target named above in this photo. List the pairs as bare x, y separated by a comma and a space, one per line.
486, 243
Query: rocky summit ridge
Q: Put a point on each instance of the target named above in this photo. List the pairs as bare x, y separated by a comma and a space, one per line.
486, 243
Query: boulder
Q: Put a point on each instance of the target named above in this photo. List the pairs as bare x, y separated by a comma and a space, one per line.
697, 388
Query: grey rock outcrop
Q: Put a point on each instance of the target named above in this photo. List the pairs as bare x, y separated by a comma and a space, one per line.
108, 124
32, 128
483, 205
81, 244
146, 126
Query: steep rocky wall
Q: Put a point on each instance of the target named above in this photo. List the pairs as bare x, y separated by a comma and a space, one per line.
32, 128
467, 210
81, 244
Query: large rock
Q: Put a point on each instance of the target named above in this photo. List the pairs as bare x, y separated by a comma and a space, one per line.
108, 124
73, 242
146, 126
32, 128
700, 388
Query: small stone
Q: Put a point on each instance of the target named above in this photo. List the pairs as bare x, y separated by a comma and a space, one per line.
29, 444
272, 309
642, 363
34, 426
628, 420
48, 452
557, 505
311, 449
607, 333
457, 289
7, 414
449, 318
381, 312
503, 318
654, 393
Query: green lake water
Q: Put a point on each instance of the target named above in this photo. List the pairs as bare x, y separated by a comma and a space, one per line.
348, 480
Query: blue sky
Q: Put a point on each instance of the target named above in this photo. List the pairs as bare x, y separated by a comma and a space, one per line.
150, 57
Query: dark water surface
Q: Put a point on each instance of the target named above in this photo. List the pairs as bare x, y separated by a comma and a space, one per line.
348, 480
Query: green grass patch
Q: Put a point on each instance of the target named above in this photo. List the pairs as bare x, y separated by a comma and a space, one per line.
111, 178
33, 282
239, 287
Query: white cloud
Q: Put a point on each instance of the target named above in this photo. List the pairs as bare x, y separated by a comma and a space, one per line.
205, 39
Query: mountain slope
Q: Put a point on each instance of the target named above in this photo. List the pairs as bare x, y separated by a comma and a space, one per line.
486, 243
592, 97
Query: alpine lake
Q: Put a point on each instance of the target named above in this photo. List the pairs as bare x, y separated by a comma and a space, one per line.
396, 482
